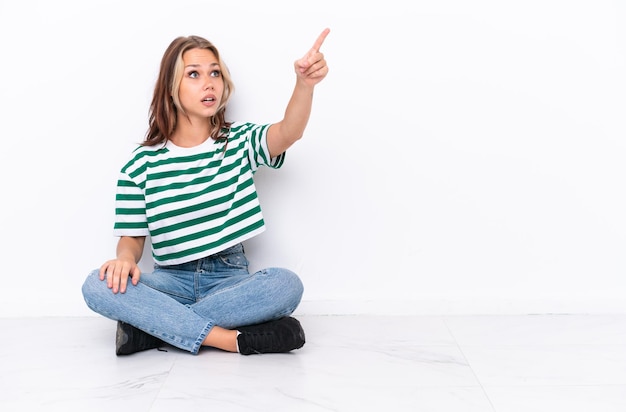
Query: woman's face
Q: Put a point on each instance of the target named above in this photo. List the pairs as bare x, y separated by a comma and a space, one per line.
202, 85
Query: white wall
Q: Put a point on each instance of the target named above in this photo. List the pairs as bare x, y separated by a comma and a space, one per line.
462, 157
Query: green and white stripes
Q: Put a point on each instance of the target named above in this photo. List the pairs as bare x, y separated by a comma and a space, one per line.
194, 202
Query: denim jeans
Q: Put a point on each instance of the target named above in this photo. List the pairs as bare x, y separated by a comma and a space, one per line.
180, 304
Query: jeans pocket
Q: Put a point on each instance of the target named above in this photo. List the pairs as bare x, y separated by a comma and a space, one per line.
235, 261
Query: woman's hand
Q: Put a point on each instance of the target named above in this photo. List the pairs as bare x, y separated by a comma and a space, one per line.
312, 67
117, 272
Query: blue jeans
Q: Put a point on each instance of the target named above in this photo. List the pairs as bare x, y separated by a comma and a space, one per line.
180, 304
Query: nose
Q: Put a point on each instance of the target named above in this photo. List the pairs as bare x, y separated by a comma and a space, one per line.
208, 86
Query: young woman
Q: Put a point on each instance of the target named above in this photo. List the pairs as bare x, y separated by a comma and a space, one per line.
189, 187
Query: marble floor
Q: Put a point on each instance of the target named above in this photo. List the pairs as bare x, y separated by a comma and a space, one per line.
349, 363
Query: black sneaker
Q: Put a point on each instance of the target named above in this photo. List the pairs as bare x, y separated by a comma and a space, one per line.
276, 336
129, 340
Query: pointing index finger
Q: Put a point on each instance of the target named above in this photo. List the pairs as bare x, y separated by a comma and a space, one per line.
320, 40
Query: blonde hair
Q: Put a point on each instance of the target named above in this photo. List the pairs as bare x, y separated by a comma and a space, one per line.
166, 104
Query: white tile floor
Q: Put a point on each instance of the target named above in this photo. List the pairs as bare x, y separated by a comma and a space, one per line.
350, 363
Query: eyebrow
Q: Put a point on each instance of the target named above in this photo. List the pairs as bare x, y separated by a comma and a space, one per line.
198, 65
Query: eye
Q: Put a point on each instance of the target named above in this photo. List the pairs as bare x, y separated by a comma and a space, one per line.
193, 74
216, 73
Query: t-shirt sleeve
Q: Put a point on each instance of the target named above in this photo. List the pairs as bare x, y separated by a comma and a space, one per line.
259, 153
130, 208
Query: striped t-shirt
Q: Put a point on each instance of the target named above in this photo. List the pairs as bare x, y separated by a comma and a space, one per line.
194, 202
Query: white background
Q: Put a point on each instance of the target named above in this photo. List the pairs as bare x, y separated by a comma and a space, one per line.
461, 157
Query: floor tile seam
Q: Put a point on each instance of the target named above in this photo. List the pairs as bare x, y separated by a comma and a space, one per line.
468, 363
418, 386
386, 345
560, 385
157, 396
540, 345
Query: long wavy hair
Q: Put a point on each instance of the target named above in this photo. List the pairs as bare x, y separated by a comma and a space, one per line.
166, 104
